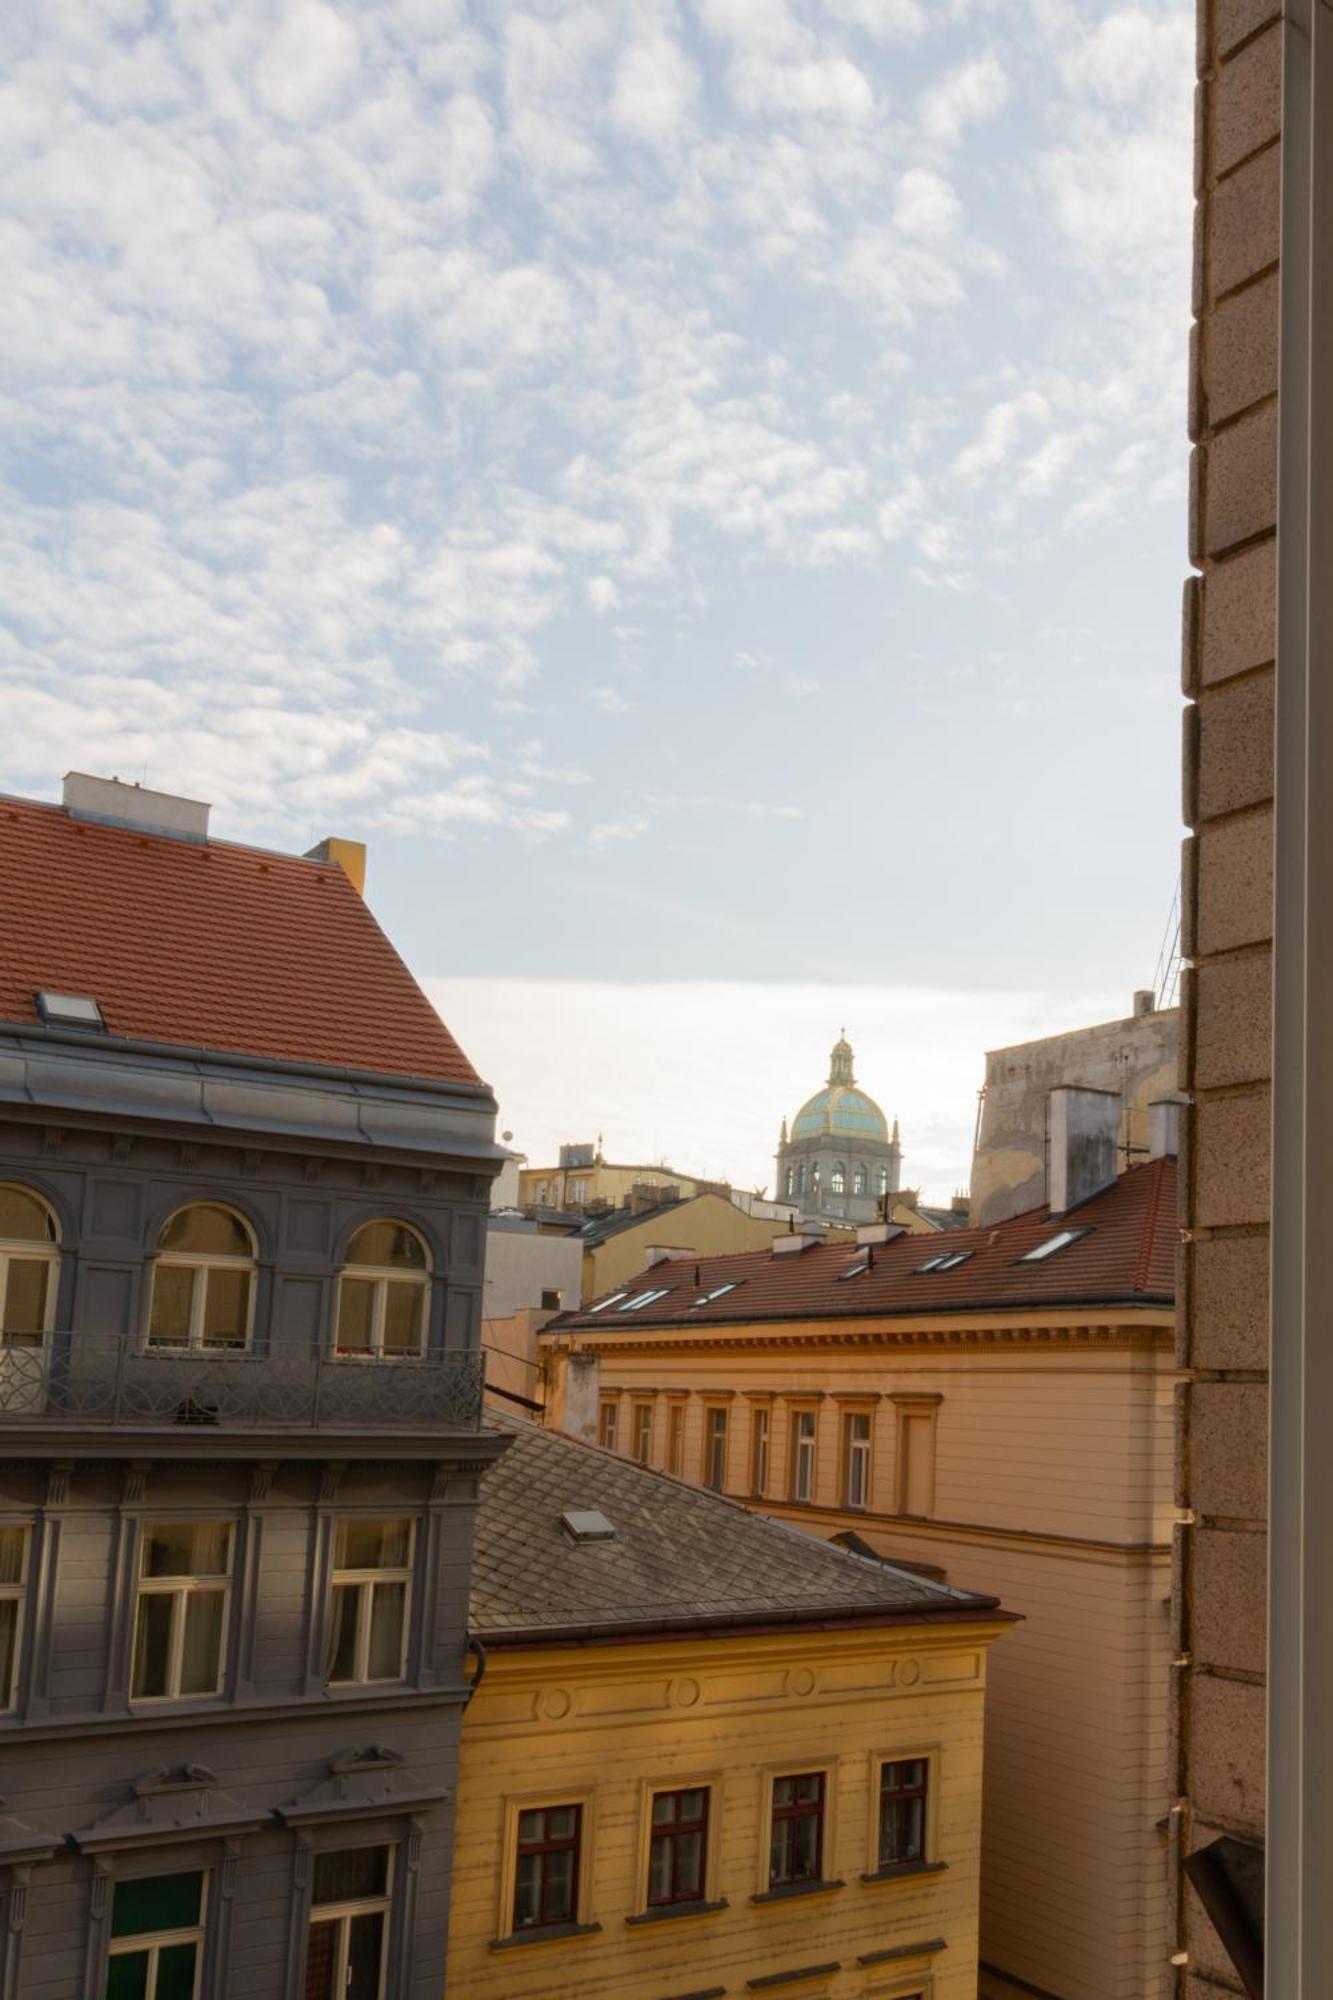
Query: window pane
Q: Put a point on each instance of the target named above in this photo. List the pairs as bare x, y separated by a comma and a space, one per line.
127, 1976
23, 1218
321, 1960
156, 1903
152, 1644
226, 1308
560, 1886
527, 1891
659, 1869
692, 1804
784, 1791
402, 1318
562, 1822
779, 1858
342, 1631
202, 1655
664, 1808
206, 1230
387, 1244
902, 1829
365, 1939
25, 1295
9, 1628
13, 1547
807, 1788
387, 1611
173, 1292
372, 1545
356, 1305
689, 1864
175, 1972
806, 1857
186, 1548
351, 1875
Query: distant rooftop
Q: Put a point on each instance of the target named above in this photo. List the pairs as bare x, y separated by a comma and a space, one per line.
675, 1556
1119, 1248
185, 940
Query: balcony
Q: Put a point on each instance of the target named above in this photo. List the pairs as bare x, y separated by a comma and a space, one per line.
95, 1379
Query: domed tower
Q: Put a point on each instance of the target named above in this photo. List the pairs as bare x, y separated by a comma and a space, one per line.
839, 1160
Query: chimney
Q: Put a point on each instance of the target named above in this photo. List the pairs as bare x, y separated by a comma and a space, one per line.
661, 1253
109, 802
572, 1384
1084, 1144
1164, 1128
350, 856
1145, 1002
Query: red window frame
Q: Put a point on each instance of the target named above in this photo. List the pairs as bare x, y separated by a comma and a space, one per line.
898, 1794
790, 1813
672, 1832
524, 1849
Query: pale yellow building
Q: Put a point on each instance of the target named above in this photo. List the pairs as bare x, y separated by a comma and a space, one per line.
708, 1755
582, 1179
996, 1406
619, 1247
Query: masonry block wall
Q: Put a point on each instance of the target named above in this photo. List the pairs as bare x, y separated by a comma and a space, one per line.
1229, 643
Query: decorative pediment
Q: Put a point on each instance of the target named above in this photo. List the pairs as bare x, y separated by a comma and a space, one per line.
360, 1784
177, 1802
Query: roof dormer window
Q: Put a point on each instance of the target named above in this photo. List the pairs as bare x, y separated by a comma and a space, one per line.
1052, 1244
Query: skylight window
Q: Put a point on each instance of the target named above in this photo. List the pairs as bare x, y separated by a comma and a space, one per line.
718, 1292
605, 1305
587, 1524
642, 1299
855, 1271
1052, 1244
69, 1010
947, 1260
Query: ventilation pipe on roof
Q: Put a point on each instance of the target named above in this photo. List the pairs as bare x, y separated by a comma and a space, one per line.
1164, 1128
111, 802
350, 855
1145, 1002
1084, 1144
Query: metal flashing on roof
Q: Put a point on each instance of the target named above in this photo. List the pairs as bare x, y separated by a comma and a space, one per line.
587, 1524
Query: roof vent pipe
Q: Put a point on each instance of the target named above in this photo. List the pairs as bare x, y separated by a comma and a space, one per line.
1084, 1136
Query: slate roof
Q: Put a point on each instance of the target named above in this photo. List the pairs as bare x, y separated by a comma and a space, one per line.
1126, 1258
208, 945
682, 1558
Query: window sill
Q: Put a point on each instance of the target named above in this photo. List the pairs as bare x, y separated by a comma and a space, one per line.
544, 1934
784, 1891
898, 1871
666, 1911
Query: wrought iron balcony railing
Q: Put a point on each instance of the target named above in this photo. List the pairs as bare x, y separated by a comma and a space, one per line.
88, 1378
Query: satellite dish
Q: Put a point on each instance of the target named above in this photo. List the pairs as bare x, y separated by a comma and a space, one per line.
506, 1136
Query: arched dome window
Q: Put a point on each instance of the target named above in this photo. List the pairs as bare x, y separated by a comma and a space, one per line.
791, 1180
382, 1292
29, 1259
814, 1177
881, 1180
203, 1280
838, 1178
800, 1177
859, 1182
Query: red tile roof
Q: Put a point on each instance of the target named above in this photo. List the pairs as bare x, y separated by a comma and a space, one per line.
208, 945
1126, 1258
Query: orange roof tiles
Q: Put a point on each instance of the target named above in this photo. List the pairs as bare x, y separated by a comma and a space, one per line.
1126, 1258
208, 946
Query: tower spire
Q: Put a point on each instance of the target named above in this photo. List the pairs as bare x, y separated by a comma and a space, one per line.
840, 1062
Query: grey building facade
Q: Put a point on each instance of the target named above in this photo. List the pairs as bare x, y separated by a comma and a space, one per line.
240, 1397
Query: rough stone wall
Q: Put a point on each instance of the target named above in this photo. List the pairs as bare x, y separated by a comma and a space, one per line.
1228, 650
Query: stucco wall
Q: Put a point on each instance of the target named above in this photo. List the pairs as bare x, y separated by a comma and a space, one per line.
521, 1264
1137, 1057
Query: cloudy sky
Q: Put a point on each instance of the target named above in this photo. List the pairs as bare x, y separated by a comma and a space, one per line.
698, 488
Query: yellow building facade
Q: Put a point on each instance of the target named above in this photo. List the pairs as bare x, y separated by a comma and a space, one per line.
1023, 1446
771, 1800
706, 1225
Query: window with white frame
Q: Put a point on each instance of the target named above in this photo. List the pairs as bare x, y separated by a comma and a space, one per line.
802, 1475
14, 1543
715, 1448
203, 1280
881, 1180
382, 1293
347, 1943
643, 1432
838, 1178
856, 1458
859, 1179
372, 1574
156, 1947
29, 1259
180, 1617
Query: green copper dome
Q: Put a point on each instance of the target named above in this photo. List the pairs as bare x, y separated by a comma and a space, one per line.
840, 1107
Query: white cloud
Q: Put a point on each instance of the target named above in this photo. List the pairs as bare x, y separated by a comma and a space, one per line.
967, 96
609, 700
612, 831
926, 205
309, 62
601, 594
655, 90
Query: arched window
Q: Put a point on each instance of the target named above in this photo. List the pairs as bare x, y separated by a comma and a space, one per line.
28, 1261
881, 1180
814, 1177
838, 1178
382, 1292
203, 1280
800, 1178
859, 1185
791, 1180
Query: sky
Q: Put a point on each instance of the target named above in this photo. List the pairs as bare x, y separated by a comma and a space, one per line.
698, 488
